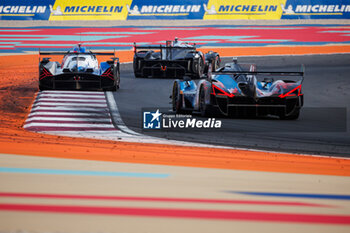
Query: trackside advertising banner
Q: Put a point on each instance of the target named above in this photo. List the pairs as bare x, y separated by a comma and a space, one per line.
167, 9
316, 9
90, 10
243, 9
64, 9
173, 9
25, 9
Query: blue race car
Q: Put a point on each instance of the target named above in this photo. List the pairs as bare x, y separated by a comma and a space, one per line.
79, 70
238, 90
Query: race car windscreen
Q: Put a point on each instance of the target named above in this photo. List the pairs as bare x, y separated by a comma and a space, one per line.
176, 53
78, 58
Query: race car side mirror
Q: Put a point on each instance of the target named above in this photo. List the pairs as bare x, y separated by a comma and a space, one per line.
46, 59
114, 59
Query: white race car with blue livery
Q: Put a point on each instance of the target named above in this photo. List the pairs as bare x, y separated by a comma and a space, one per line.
79, 70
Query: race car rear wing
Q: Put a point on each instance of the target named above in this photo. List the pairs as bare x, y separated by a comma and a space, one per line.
272, 73
161, 47
265, 73
47, 59
76, 53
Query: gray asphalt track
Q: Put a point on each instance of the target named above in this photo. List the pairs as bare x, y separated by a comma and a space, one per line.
321, 128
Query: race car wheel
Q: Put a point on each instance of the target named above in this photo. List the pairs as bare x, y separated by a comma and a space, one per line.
198, 68
216, 63
137, 71
292, 115
118, 79
176, 98
203, 107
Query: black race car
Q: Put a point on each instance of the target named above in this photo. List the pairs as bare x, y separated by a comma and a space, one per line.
175, 59
79, 70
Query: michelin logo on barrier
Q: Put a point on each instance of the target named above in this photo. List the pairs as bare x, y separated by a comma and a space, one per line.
242, 9
25, 9
316, 9
56, 11
89, 10
22, 9
210, 11
166, 9
319, 9
86, 9
134, 11
288, 10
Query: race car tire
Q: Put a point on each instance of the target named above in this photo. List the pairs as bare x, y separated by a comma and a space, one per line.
137, 72
118, 80
198, 68
216, 63
137, 75
293, 114
203, 107
176, 97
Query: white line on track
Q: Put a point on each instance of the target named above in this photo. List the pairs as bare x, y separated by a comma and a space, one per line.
73, 92
68, 108
70, 111
80, 114
117, 119
70, 104
75, 125
86, 119
70, 96
73, 100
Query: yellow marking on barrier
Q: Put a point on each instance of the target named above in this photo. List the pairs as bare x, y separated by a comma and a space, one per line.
89, 10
